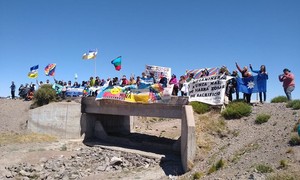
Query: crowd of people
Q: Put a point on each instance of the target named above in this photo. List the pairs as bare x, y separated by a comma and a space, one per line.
287, 78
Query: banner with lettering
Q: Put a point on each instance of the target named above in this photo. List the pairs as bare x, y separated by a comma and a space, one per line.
155, 93
210, 89
158, 71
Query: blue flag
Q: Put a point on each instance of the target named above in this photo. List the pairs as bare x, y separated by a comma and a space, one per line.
33, 68
247, 85
253, 84
262, 82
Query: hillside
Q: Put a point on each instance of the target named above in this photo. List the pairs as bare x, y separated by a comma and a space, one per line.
244, 147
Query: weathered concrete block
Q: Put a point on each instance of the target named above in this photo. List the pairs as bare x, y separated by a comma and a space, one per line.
188, 138
58, 119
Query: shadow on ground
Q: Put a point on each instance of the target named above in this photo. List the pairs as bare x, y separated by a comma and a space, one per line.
167, 149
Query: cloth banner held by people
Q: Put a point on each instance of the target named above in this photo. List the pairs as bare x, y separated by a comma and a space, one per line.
33, 72
130, 93
210, 89
253, 84
197, 72
158, 71
92, 54
74, 92
117, 63
145, 83
50, 70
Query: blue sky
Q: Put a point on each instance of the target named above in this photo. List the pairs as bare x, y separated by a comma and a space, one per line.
172, 33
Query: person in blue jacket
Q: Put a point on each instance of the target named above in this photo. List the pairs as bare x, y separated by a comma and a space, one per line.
262, 77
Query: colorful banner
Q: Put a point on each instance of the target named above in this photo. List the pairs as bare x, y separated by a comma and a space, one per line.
153, 94
210, 89
57, 87
158, 71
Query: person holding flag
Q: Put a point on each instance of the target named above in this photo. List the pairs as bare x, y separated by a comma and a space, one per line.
262, 77
246, 75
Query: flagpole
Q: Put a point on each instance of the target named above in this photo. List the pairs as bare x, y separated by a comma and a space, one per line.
95, 63
95, 69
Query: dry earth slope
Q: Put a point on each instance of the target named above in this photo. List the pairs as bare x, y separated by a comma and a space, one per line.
246, 147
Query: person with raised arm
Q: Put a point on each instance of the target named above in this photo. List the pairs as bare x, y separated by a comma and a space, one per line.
245, 74
262, 77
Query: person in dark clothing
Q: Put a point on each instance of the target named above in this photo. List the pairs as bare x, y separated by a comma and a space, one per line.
163, 80
153, 77
232, 87
12, 89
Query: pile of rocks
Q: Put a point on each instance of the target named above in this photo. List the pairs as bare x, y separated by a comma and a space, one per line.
88, 161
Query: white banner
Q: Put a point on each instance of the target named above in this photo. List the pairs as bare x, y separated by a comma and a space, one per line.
158, 71
210, 90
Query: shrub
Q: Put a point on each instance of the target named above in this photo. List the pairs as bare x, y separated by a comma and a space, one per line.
295, 140
279, 99
295, 104
44, 95
262, 118
261, 168
220, 164
236, 110
200, 108
198, 175
283, 164
215, 167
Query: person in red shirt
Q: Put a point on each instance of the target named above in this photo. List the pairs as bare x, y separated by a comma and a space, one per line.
288, 84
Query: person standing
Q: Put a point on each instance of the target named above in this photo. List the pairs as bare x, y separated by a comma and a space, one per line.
262, 77
231, 86
12, 89
245, 74
180, 84
288, 82
174, 81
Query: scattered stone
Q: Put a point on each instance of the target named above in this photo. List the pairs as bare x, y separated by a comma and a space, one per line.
81, 165
115, 161
24, 173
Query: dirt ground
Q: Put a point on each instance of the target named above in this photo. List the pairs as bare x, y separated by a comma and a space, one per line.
240, 143
18, 145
